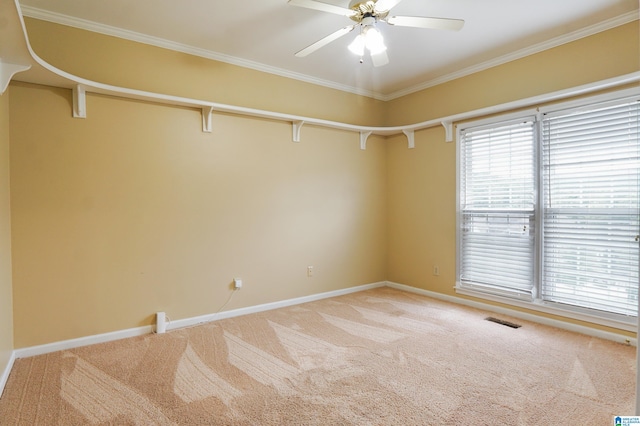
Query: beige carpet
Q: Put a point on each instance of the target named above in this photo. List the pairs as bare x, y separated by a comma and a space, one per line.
379, 357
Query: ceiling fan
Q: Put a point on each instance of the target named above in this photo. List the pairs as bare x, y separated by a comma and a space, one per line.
366, 14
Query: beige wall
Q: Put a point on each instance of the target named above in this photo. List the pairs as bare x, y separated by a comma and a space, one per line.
422, 181
135, 210
6, 298
128, 64
604, 55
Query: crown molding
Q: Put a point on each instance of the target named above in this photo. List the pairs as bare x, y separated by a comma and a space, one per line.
84, 24
519, 54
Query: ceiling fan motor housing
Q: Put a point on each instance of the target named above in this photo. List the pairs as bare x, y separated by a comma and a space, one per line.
366, 9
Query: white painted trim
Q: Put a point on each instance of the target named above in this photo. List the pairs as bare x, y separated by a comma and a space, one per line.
622, 95
83, 24
363, 139
7, 71
188, 322
540, 306
411, 138
82, 341
45, 15
620, 338
79, 102
519, 54
297, 126
207, 119
64, 79
7, 370
448, 130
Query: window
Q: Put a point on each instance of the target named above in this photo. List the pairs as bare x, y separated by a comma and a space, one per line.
497, 194
549, 209
590, 174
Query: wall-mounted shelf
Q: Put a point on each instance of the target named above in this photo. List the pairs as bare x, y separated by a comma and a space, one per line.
18, 58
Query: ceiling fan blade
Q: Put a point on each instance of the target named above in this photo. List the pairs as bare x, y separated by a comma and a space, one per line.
324, 41
386, 5
324, 7
379, 59
424, 22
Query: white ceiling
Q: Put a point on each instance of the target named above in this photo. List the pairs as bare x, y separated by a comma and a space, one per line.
265, 34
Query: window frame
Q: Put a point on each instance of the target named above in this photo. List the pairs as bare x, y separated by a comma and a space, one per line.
508, 120
623, 322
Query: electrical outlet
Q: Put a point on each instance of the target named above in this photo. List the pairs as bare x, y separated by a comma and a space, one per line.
436, 270
309, 271
237, 283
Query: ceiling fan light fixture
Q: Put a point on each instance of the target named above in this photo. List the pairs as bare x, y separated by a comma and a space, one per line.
357, 45
373, 40
366, 14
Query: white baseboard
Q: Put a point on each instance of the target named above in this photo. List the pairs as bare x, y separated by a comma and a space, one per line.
123, 334
175, 324
187, 322
5, 374
82, 341
620, 338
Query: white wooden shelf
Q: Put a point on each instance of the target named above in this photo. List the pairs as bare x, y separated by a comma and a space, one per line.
17, 56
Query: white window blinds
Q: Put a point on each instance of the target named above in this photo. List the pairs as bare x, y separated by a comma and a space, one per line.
590, 207
497, 205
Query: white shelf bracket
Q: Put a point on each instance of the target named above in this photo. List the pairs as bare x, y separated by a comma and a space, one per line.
297, 126
448, 130
79, 102
410, 138
7, 71
363, 140
207, 114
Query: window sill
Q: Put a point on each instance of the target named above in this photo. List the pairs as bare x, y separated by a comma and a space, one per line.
622, 323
